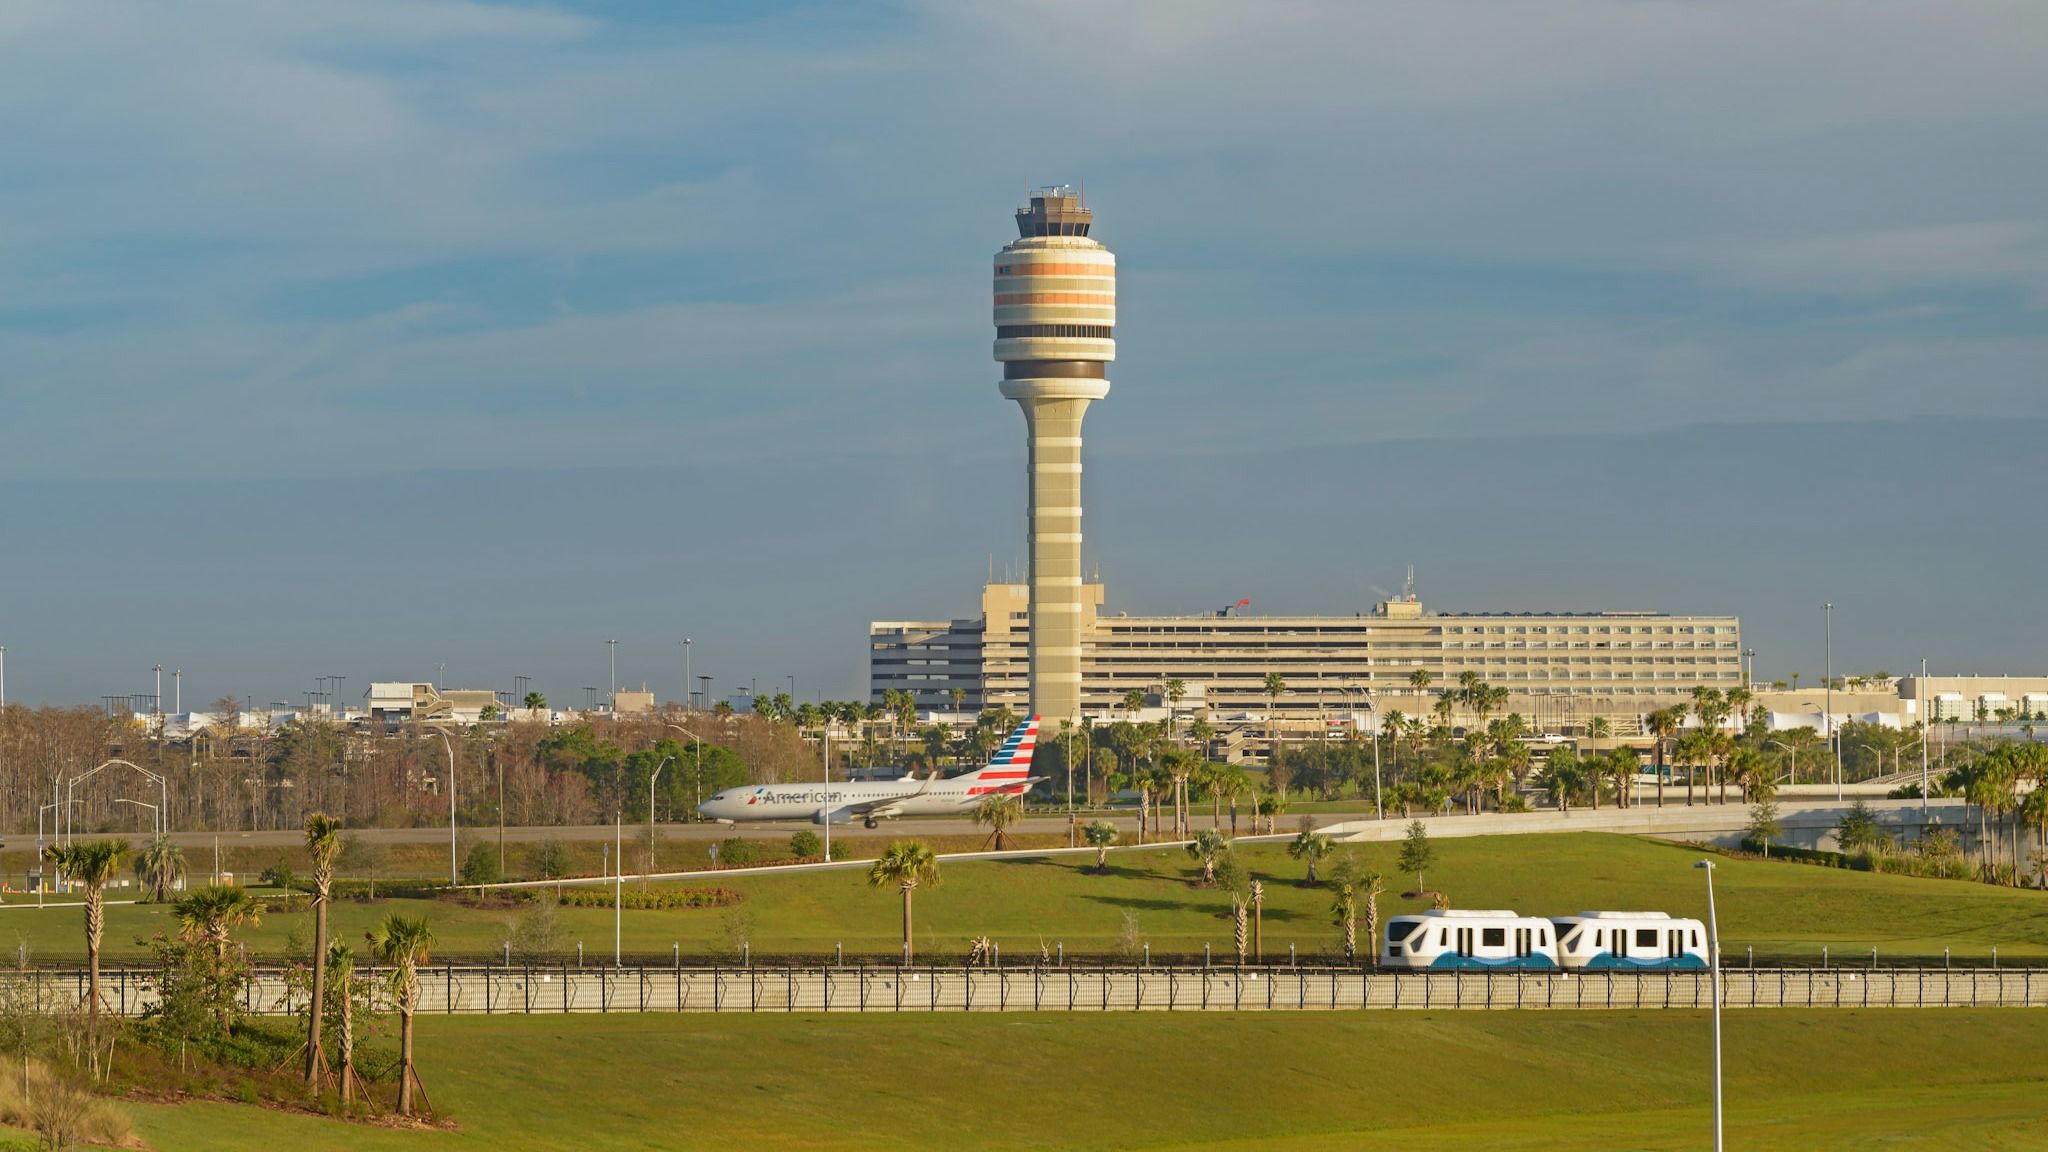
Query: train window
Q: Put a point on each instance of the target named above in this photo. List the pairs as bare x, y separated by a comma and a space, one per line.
1443, 938
1543, 936
1695, 937
1600, 938
1493, 937
1646, 937
1570, 941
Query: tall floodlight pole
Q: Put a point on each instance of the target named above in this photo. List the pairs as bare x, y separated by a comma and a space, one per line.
178, 692
342, 708
1714, 962
689, 699
3, 675
1834, 752
613, 647
1055, 321
158, 703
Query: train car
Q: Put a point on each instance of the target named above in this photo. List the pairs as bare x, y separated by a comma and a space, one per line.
1468, 938
1604, 940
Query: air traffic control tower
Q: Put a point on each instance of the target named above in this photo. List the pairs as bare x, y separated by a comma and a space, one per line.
1055, 315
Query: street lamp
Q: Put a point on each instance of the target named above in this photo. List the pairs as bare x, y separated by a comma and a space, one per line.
454, 874
697, 745
1714, 963
1834, 750
1795, 756
613, 647
650, 809
156, 819
689, 698
71, 785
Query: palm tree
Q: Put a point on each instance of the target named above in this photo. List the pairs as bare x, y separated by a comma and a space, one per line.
209, 916
1133, 703
1344, 913
1232, 781
959, 698
341, 972
1663, 724
1258, 903
1419, 680
92, 864
1623, 764
1310, 846
1176, 691
535, 701
1599, 728
403, 943
1272, 806
1208, 846
323, 843
1369, 886
1566, 774
998, 811
160, 867
1101, 836
907, 864
1276, 685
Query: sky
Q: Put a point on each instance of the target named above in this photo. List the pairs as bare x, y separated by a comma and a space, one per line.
367, 338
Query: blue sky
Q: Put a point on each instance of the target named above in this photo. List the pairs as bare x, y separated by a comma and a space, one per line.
316, 246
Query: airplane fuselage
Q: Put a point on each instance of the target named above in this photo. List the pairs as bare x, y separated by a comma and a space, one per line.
847, 802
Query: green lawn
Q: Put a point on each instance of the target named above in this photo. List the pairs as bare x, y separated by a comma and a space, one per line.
1318, 1081
1777, 907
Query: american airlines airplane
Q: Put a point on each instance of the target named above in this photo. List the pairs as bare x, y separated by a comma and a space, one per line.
1008, 772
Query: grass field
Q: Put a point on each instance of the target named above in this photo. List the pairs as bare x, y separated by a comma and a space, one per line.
1797, 1081
1777, 907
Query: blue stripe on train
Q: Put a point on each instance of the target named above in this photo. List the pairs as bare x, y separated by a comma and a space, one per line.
1686, 963
1450, 960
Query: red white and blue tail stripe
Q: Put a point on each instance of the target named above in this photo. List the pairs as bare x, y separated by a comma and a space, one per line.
1009, 770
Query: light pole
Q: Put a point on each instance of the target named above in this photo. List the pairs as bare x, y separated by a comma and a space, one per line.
704, 694
650, 809
157, 704
343, 708
156, 814
3, 675
618, 887
71, 786
178, 692
1795, 756
697, 782
1834, 752
454, 873
1714, 963
613, 647
1926, 719
1749, 677
689, 699
825, 742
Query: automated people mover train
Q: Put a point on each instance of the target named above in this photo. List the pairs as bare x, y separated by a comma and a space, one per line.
1473, 939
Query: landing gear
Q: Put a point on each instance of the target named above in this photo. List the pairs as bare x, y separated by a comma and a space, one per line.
868, 823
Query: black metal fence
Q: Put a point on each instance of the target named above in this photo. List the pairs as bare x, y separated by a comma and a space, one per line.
523, 989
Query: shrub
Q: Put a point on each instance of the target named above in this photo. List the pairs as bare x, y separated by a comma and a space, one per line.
548, 860
738, 852
805, 845
841, 850
279, 875
480, 866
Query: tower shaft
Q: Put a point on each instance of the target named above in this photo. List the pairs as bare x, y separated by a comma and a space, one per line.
1055, 317
1053, 410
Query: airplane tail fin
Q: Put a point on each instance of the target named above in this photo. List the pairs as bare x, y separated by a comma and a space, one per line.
1010, 768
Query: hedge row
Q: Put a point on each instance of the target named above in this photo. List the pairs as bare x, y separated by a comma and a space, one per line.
658, 900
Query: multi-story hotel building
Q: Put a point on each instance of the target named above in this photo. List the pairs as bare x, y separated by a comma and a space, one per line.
1560, 668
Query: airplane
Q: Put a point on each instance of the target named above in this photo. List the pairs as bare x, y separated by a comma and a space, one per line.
1007, 773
